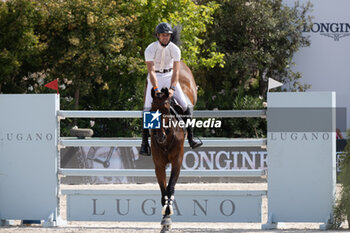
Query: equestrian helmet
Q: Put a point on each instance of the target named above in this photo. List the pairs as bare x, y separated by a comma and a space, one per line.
164, 28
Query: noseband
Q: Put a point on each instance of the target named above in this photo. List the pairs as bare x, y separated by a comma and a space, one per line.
160, 104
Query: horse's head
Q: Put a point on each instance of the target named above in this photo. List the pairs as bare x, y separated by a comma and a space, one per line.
161, 102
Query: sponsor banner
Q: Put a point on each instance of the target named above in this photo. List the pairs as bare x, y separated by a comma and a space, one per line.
201, 159
221, 158
334, 30
224, 158
329, 36
144, 205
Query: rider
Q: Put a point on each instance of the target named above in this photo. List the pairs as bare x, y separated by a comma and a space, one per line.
163, 65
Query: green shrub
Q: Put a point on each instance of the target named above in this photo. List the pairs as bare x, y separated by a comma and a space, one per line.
342, 207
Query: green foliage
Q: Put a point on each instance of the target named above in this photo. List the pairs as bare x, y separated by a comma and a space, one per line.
194, 20
236, 127
258, 39
96, 51
342, 207
85, 41
20, 47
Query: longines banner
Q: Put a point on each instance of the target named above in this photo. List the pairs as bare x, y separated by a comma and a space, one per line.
325, 63
128, 158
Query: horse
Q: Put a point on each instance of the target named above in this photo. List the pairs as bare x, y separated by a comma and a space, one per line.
167, 144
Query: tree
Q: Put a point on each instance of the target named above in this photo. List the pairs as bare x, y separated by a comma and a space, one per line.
96, 50
258, 38
191, 17
20, 47
85, 40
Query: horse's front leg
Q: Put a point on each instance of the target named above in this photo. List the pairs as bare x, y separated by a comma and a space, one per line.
170, 190
161, 178
167, 209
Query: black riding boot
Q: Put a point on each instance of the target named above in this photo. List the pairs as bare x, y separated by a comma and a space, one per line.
145, 148
193, 144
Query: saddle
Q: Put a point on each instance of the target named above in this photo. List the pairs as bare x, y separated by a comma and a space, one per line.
175, 108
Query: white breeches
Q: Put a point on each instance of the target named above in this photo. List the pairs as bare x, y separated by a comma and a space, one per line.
164, 80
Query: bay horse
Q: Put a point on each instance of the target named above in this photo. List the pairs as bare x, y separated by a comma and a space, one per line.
167, 144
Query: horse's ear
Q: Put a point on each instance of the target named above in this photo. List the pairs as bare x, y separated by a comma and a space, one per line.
152, 93
166, 92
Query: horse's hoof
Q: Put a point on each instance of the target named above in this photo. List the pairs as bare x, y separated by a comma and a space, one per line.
166, 221
166, 228
166, 224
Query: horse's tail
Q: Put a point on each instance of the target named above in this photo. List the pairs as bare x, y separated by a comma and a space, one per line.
175, 37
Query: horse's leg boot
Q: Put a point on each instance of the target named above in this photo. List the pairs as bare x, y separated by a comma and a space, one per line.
193, 144
145, 148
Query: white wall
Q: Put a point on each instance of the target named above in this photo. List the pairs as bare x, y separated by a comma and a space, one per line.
326, 63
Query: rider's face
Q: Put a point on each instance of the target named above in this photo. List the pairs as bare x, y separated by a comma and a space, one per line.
164, 37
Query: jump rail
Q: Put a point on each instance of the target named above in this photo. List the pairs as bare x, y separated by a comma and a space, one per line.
150, 172
138, 114
123, 142
244, 142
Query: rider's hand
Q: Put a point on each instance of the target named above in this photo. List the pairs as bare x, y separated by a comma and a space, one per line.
158, 92
171, 93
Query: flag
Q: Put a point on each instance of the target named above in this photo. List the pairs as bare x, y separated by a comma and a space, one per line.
273, 83
53, 85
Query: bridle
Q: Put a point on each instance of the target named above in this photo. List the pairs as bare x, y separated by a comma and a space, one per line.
167, 130
177, 115
162, 103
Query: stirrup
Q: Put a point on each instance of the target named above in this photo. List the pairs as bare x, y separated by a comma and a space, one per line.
196, 144
147, 152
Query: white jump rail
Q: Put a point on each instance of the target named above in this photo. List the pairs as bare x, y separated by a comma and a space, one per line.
249, 142
138, 114
238, 142
150, 172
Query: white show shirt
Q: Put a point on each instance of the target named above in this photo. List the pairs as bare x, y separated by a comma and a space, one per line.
163, 57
